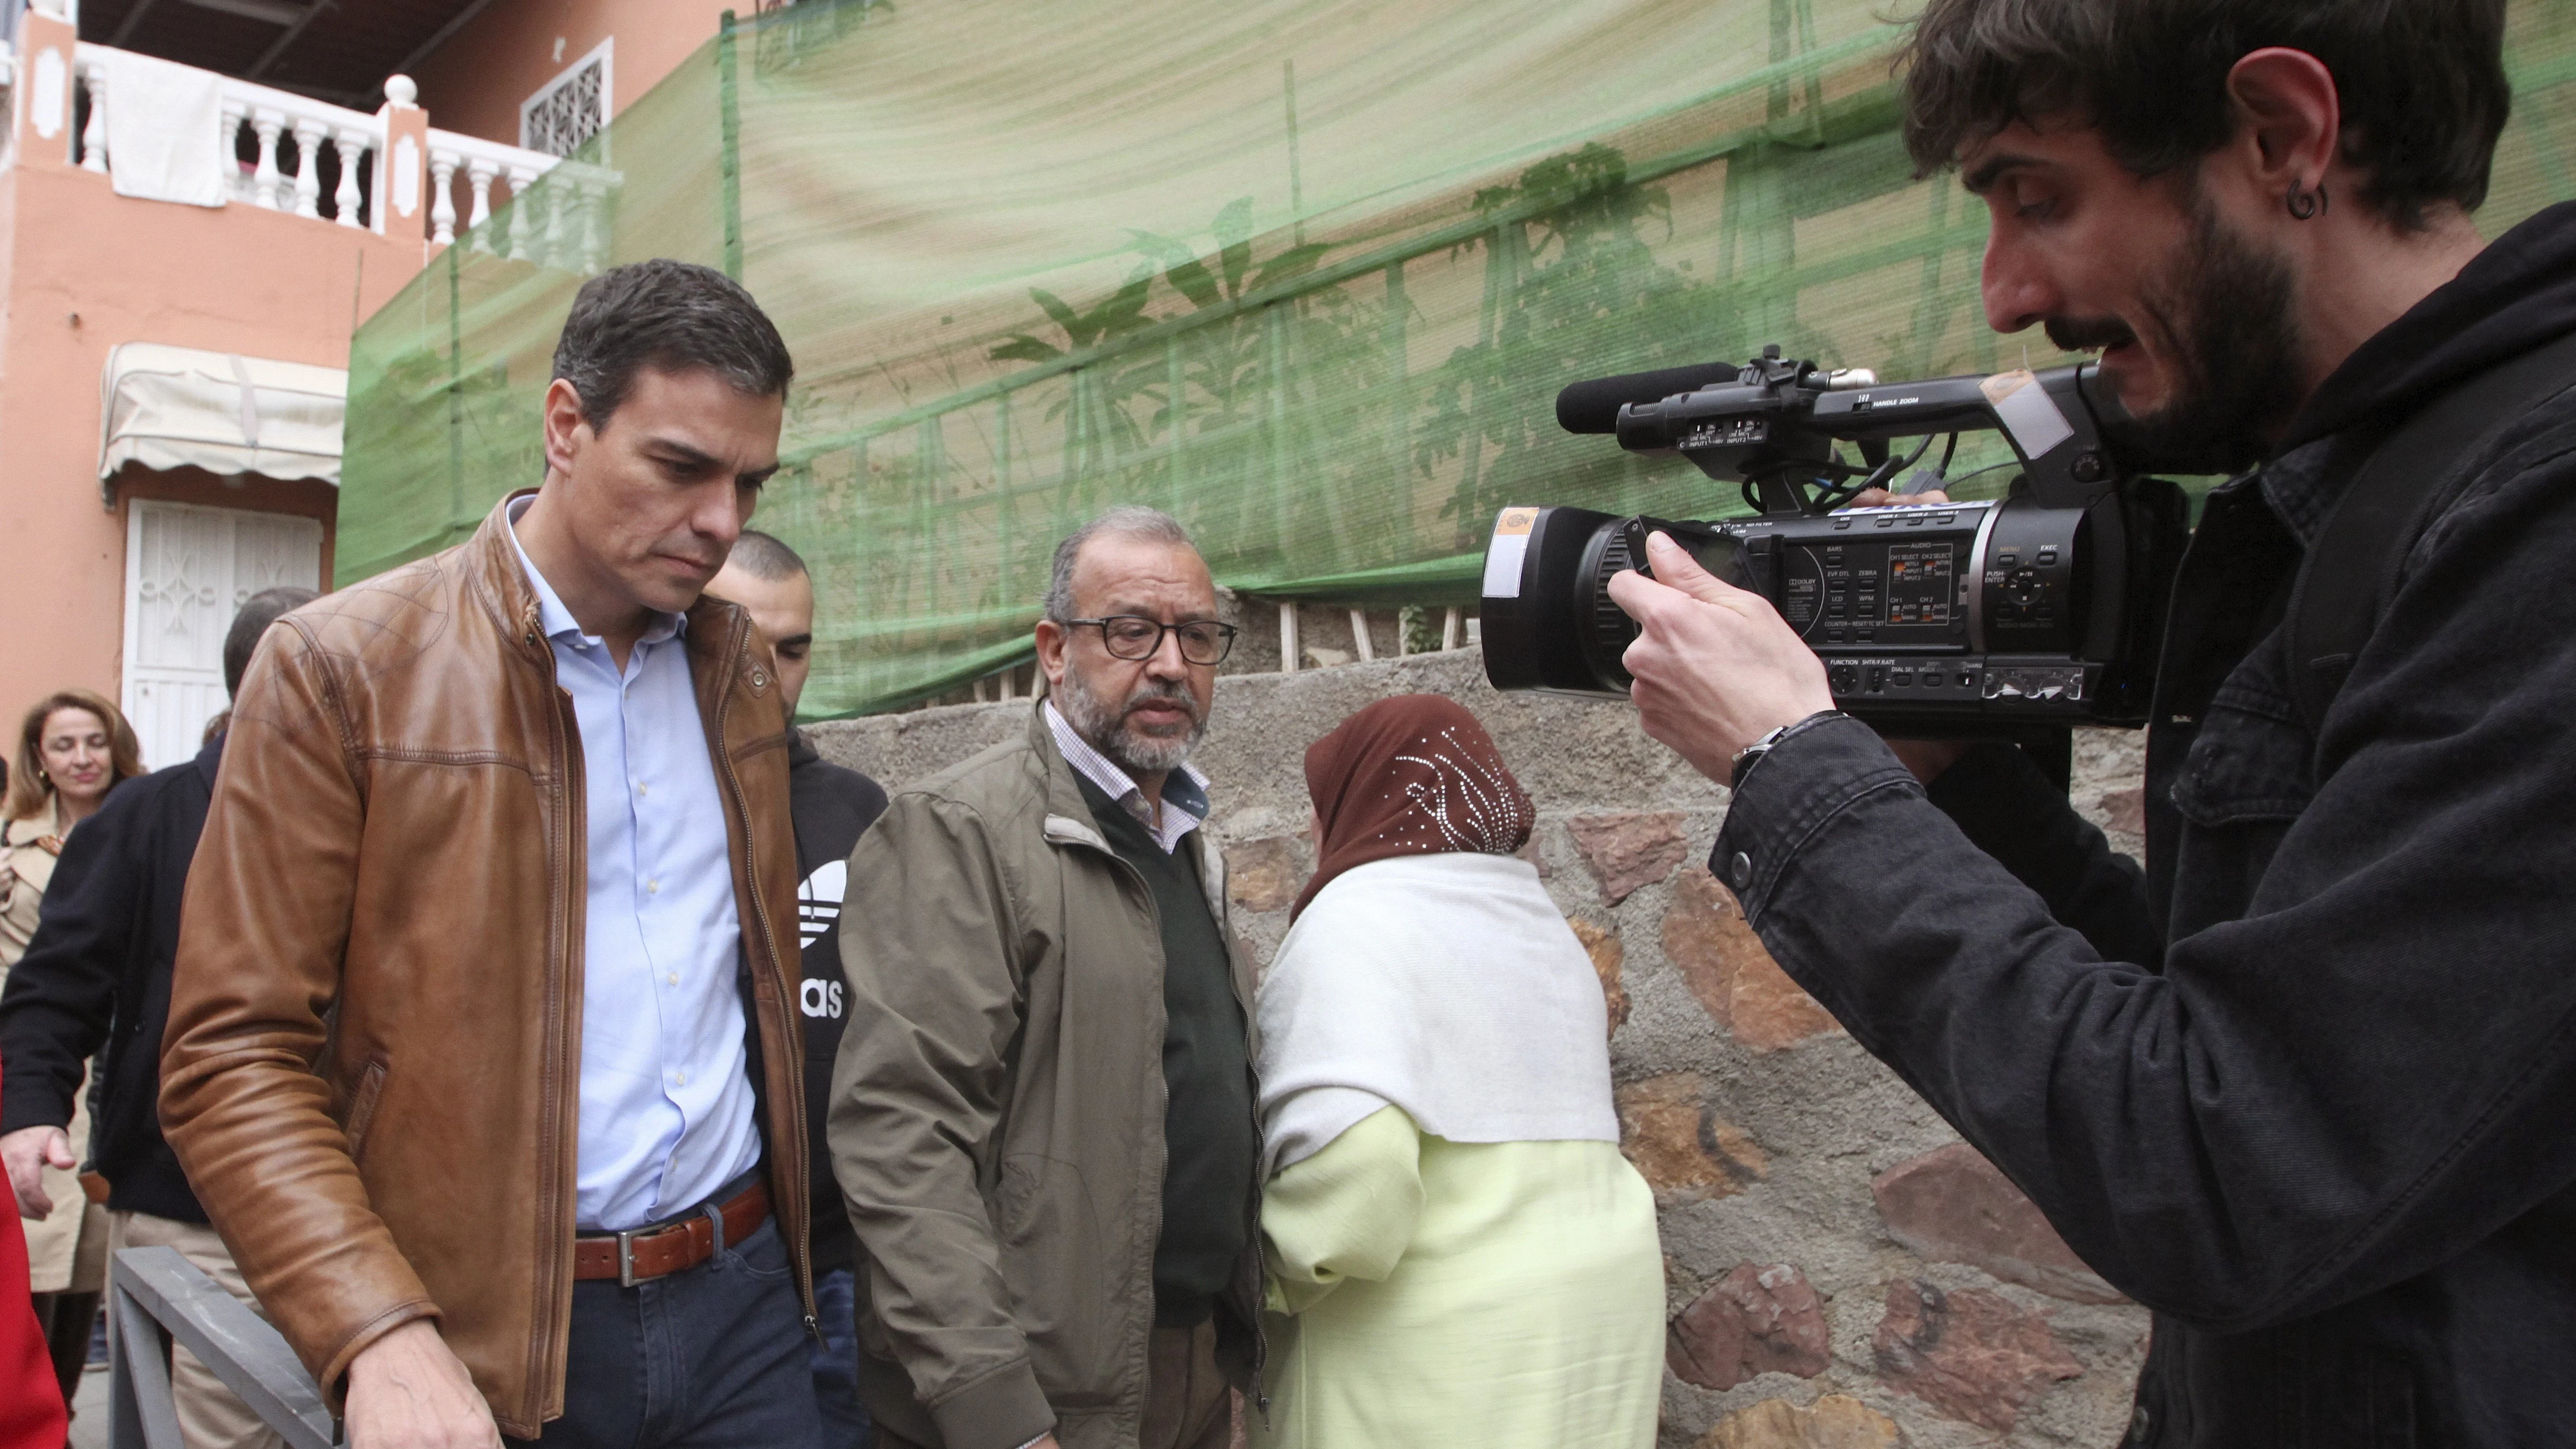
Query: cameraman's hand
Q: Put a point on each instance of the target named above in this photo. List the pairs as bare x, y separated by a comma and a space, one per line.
26, 1153
1716, 666
1880, 498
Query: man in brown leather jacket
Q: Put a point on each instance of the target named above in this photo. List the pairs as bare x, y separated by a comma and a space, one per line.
483, 1050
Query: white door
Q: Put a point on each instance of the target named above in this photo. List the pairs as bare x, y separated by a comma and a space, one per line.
187, 569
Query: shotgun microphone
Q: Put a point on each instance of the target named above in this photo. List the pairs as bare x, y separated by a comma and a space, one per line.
1593, 406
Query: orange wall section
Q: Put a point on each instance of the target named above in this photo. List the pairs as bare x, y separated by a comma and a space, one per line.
86, 270
476, 82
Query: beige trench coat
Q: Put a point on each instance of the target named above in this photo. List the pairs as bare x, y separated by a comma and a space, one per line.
67, 1251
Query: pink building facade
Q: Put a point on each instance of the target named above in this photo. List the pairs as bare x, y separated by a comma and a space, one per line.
171, 370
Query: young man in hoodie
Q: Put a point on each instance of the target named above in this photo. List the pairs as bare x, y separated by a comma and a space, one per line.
832, 807
2306, 1085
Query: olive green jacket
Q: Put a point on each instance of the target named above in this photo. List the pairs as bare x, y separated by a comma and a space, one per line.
997, 1111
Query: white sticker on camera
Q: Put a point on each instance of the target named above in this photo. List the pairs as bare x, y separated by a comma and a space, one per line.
2027, 412
1503, 556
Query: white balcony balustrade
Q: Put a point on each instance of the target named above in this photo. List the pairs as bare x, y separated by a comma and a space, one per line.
277, 139
563, 222
93, 134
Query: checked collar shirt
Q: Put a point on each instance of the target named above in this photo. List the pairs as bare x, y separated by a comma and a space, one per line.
1184, 790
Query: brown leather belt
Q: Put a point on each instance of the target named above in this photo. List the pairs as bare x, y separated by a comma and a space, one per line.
637, 1254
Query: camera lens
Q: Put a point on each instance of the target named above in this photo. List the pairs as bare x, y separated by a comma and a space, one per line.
1549, 621
1603, 630
1542, 602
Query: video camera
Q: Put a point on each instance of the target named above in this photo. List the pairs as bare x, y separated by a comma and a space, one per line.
2016, 618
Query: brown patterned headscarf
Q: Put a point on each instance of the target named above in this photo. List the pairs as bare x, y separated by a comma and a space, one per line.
1412, 775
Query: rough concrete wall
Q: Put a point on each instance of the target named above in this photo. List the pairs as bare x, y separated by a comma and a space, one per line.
1842, 1271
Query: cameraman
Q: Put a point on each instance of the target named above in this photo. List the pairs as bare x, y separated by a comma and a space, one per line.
2306, 1086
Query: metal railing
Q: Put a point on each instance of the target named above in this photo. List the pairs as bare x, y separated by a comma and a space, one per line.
155, 1298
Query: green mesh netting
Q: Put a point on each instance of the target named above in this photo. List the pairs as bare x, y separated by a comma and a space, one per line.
1306, 273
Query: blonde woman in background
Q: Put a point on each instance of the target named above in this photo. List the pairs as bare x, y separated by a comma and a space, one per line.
73, 748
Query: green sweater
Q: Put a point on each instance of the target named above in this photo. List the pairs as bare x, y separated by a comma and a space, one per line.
1210, 1140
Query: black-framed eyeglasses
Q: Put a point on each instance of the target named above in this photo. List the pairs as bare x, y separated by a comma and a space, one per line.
1133, 636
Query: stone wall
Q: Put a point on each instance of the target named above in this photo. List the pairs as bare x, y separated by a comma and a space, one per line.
1841, 1270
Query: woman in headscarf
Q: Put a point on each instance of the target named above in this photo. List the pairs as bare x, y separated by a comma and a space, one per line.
1466, 1256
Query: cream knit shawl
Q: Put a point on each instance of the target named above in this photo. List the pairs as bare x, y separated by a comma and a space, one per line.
1446, 985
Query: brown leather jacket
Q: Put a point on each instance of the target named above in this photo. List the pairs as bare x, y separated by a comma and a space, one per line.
372, 1067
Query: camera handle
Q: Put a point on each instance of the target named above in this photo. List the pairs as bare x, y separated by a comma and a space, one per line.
1774, 429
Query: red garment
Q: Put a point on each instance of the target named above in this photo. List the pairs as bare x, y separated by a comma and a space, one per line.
32, 1415
1411, 775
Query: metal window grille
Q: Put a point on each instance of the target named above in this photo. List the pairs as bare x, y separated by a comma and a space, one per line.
569, 109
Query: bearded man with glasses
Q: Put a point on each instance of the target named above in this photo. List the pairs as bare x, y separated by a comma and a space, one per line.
1042, 1116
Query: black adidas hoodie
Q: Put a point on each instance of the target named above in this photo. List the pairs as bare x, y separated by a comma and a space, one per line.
832, 807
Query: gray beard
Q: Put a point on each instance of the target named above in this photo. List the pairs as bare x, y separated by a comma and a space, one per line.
1104, 727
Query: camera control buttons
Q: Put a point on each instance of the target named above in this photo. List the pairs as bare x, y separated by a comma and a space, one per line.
2042, 683
2025, 597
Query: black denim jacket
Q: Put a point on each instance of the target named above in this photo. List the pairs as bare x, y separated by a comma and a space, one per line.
2306, 1086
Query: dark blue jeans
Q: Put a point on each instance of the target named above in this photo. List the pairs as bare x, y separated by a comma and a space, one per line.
713, 1357
846, 1424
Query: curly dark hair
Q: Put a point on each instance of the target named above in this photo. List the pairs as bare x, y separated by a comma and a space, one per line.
2421, 82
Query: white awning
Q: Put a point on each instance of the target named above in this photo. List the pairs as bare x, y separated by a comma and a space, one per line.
178, 407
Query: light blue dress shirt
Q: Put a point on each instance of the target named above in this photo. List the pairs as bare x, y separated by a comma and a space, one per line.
666, 1099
